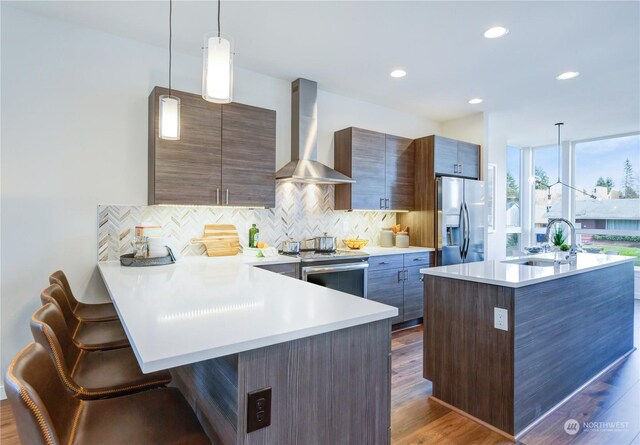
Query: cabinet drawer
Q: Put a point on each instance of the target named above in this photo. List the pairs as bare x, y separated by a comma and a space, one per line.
386, 286
290, 269
385, 262
418, 259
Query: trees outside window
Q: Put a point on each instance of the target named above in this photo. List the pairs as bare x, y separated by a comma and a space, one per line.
607, 168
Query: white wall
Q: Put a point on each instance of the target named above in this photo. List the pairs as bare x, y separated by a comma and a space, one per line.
469, 129
495, 152
74, 121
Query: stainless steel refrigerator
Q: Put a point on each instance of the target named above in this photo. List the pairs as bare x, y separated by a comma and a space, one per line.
460, 220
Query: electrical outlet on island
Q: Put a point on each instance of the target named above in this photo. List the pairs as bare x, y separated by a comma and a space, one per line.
500, 318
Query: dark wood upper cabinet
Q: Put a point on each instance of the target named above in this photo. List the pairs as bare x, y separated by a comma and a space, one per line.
360, 154
225, 155
455, 158
248, 155
381, 165
399, 172
468, 160
186, 171
445, 155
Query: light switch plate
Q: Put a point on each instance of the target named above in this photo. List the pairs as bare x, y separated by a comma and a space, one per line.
500, 318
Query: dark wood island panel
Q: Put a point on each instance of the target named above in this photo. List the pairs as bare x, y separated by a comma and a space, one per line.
562, 333
329, 388
567, 331
469, 361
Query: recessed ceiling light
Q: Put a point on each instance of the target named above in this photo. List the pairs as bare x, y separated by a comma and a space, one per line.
495, 32
398, 73
567, 75
475, 100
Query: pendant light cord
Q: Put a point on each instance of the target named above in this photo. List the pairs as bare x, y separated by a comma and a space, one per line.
559, 124
218, 18
170, 40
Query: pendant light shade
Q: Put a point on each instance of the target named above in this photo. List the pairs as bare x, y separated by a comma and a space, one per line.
169, 117
217, 66
169, 111
217, 74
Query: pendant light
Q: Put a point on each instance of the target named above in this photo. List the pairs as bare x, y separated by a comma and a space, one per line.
538, 181
217, 66
170, 105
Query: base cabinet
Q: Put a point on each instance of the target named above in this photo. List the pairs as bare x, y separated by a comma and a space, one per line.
290, 270
396, 280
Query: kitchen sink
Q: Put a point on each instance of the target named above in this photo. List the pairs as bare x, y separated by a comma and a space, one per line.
538, 263
535, 262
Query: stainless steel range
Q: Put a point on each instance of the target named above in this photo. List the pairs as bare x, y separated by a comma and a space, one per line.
341, 270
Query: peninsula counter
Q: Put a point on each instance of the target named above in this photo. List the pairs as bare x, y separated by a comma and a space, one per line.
225, 328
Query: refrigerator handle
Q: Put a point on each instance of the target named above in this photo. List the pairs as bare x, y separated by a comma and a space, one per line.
462, 231
467, 230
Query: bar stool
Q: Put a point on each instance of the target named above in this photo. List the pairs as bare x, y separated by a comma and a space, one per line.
87, 335
46, 414
84, 311
90, 374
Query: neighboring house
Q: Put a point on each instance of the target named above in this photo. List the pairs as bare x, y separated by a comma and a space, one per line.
608, 214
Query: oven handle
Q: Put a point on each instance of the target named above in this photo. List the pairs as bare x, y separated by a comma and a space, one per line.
312, 270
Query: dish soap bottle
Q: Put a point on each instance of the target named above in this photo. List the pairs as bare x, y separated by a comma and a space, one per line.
254, 236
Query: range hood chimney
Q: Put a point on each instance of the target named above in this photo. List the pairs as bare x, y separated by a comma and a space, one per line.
304, 166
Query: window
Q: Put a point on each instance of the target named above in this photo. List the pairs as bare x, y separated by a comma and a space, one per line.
513, 217
608, 169
547, 201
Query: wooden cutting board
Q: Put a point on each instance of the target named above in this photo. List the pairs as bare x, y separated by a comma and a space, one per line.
220, 240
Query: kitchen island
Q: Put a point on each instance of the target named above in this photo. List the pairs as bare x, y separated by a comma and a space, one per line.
562, 326
225, 329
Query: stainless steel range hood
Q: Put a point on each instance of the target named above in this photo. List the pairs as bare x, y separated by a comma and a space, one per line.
304, 140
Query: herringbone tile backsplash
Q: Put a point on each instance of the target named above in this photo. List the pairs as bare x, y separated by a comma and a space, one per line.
302, 211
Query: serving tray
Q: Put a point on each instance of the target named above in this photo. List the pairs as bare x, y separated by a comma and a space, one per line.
129, 260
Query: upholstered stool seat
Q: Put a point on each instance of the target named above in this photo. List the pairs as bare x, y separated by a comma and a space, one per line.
90, 374
84, 311
47, 414
87, 335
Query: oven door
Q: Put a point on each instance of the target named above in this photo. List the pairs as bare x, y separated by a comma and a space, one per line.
350, 278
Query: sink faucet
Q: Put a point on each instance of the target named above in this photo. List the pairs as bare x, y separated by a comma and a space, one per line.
573, 252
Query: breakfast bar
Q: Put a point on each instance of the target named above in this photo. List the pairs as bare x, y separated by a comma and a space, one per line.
226, 329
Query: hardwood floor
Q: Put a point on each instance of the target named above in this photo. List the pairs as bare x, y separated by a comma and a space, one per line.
614, 397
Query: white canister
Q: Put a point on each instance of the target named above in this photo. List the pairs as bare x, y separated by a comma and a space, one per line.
158, 246
386, 238
402, 239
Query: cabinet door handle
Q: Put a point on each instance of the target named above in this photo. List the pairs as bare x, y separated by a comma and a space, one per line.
460, 168
382, 203
227, 196
422, 278
217, 196
421, 259
384, 262
455, 168
386, 203
400, 276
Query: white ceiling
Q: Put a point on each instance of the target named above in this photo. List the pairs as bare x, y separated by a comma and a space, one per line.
350, 48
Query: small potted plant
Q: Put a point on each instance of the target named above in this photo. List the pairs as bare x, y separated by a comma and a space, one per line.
558, 237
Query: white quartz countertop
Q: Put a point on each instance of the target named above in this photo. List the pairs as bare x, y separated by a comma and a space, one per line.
201, 308
510, 274
377, 250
